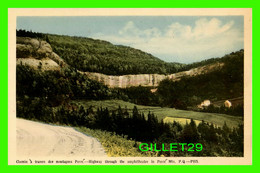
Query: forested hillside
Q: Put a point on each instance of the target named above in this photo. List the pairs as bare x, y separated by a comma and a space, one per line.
224, 83
220, 84
87, 54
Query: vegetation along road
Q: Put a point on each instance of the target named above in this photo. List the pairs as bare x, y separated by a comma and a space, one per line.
42, 140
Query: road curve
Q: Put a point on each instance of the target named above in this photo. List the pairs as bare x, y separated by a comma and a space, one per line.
35, 139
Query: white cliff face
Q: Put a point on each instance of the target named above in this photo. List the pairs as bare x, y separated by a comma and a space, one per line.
43, 64
147, 79
126, 80
31, 49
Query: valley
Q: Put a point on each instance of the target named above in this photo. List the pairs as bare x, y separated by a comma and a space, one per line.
99, 88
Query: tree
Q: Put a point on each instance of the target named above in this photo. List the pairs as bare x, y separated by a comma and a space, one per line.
190, 133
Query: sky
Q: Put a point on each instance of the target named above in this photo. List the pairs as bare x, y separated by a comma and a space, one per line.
183, 39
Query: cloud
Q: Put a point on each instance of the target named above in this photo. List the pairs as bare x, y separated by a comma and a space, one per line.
206, 38
131, 30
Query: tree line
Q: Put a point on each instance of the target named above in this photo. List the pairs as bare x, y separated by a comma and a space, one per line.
57, 87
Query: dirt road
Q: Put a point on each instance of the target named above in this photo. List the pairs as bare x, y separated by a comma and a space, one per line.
42, 140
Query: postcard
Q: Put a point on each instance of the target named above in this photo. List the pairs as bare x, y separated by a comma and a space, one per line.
132, 86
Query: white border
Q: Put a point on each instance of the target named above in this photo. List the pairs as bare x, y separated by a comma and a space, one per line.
246, 12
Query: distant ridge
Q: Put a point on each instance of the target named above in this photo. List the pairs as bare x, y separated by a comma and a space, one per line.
39, 55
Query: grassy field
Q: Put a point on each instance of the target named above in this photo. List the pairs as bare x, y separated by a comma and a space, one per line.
182, 121
161, 113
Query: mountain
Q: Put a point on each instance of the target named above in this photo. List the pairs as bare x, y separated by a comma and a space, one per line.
90, 55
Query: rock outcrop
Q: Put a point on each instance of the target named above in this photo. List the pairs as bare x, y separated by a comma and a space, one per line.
37, 54
43, 64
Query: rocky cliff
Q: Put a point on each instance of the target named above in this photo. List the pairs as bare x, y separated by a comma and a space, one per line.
148, 79
39, 54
